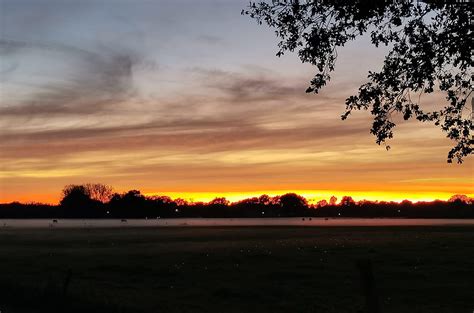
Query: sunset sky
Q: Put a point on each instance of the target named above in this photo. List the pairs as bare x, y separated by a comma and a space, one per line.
187, 99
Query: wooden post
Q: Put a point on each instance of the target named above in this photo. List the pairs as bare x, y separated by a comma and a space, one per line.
368, 286
67, 280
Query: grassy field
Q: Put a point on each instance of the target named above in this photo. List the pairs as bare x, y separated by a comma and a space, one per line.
235, 269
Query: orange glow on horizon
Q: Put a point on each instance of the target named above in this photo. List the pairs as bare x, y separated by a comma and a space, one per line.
313, 196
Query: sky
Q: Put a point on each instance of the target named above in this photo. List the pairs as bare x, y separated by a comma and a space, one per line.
187, 98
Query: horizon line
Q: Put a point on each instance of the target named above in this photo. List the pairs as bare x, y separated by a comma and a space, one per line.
312, 196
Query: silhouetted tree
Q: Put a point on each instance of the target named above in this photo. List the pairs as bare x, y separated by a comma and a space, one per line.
460, 198
132, 199
430, 48
77, 197
406, 203
181, 202
347, 201
219, 201
264, 199
99, 192
130, 204
293, 204
161, 199
321, 203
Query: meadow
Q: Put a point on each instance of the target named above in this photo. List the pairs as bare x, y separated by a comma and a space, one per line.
235, 269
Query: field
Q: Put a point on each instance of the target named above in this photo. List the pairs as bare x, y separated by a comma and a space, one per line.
235, 269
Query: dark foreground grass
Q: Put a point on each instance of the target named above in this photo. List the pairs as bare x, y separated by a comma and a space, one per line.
238, 269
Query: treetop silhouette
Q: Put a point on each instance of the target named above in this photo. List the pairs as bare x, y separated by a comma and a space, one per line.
430, 50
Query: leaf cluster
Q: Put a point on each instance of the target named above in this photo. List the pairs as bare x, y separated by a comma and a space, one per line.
430, 51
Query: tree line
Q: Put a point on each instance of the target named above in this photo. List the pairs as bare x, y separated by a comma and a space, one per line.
100, 201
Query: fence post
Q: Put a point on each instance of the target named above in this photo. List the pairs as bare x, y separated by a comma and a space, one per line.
368, 285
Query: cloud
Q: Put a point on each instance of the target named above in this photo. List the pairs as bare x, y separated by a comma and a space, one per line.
233, 112
67, 81
211, 40
248, 86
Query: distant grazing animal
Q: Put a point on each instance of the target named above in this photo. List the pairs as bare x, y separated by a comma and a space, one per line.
123, 220
55, 221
